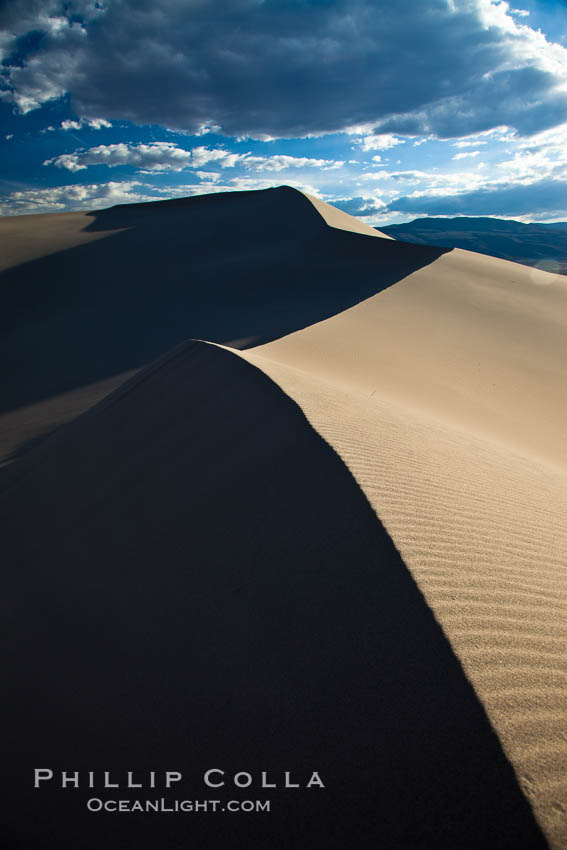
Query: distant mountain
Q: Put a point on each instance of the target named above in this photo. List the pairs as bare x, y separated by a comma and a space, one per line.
542, 245
557, 225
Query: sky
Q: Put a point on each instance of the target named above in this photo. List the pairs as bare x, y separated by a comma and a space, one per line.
389, 110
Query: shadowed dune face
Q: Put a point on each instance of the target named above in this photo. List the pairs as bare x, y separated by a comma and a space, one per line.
238, 268
195, 574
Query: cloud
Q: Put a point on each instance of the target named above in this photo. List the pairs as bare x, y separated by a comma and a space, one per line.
287, 69
93, 123
76, 197
202, 155
280, 162
466, 155
69, 124
360, 206
98, 195
379, 142
468, 143
211, 176
543, 199
156, 156
411, 176
167, 156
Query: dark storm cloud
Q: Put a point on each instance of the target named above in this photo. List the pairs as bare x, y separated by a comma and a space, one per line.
287, 67
545, 198
523, 98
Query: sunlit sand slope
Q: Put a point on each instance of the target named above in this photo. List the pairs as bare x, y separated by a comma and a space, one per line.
472, 340
342, 221
445, 397
482, 531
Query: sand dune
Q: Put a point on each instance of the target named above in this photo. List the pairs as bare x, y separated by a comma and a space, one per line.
482, 531
339, 543
475, 341
342, 221
445, 397
91, 297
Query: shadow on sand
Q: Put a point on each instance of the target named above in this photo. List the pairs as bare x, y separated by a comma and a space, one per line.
196, 581
238, 268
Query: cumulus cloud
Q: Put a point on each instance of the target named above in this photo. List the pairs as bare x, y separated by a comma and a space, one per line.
167, 156
281, 162
93, 123
203, 155
81, 124
273, 69
156, 156
379, 142
76, 197
466, 154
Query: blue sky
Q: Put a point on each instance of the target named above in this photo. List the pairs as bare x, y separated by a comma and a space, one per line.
390, 110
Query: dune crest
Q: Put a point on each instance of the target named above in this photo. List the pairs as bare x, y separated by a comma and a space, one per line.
116, 288
331, 530
482, 531
445, 397
343, 221
470, 340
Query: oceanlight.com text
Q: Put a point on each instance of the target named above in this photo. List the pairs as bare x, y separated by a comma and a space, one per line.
163, 806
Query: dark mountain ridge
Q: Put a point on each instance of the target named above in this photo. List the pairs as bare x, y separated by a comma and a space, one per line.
541, 245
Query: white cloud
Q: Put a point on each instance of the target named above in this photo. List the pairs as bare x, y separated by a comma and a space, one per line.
76, 197
156, 156
167, 156
362, 206
205, 129
466, 155
202, 155
69, 124
281, 162
379, 142
469, 143
100, 195
429, 183
93, 123
212, 176
413, 175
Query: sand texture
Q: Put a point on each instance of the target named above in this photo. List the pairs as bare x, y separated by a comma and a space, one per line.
281, 494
